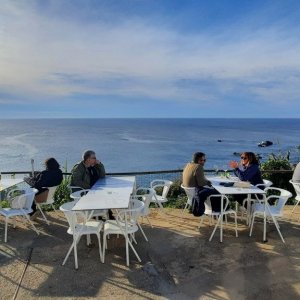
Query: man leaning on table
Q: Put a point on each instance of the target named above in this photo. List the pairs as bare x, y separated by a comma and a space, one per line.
87, 172
193, 176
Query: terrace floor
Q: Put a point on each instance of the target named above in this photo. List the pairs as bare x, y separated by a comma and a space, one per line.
178, 262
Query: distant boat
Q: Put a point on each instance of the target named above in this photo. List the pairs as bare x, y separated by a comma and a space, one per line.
236, 153
219, 141
265, 144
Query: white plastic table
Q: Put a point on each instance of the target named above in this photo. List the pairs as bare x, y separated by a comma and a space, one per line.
111, 192
232, 190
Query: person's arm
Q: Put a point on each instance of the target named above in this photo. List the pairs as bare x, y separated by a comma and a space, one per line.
247, 174
200, 178
101, 170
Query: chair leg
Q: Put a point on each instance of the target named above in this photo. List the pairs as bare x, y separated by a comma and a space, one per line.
34, 228
68, 254
137, 256
127, 241
100, 248
142, 231
252, 222
298, 201
235, 218
149, 221
5, 234
104, 247
43, 215
201, 221
216, 226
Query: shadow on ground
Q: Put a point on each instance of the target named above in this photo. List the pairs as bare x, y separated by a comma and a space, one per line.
178, 262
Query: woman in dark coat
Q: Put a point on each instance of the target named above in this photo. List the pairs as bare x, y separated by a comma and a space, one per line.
52, 176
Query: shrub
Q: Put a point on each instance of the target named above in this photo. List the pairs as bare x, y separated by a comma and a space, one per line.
278, 162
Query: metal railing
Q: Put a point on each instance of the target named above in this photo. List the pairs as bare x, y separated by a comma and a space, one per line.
145, 177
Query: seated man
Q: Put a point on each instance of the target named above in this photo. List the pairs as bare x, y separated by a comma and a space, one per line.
193, 176
87, 172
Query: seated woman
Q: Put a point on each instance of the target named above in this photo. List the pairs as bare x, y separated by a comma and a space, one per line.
52, 176
247, 170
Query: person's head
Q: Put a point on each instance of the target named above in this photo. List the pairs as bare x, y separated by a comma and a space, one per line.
248, 158
199, 158
89, 157
51, 164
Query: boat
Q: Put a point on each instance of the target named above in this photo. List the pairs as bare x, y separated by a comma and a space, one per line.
265, 144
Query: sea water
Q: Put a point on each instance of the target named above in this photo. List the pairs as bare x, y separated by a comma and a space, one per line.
129, 145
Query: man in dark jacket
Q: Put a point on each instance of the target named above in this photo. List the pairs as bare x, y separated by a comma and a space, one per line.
88, 171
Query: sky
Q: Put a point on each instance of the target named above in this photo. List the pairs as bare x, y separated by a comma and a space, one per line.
149, 58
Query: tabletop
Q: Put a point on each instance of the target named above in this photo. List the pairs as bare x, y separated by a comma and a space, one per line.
108, 193
233, 190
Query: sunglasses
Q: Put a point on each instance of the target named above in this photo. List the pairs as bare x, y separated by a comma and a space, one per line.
203, 159
243, 157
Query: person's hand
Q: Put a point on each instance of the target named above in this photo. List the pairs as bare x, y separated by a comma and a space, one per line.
97, 162
233, 164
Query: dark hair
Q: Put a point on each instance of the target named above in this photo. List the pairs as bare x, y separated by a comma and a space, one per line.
251, 157
87, 154
197, 156
51, 164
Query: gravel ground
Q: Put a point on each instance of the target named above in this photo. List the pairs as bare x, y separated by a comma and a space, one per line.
178, 262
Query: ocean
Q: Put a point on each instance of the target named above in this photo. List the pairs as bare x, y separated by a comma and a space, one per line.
132, 145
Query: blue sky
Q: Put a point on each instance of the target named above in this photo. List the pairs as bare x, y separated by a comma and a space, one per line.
147, 58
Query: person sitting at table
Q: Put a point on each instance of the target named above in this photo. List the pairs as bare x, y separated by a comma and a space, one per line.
193, 176
52, 176
87, 172
247, 170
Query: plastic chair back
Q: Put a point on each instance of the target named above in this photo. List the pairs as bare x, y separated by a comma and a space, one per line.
50, 196
165, 184
190, 192
296, 186
283, 197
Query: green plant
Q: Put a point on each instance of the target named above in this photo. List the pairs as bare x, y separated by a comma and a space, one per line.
278, 162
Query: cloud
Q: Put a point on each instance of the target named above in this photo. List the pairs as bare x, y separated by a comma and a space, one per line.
45, 56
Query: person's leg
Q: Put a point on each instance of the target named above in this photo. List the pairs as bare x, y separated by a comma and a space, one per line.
215, 202
40, 197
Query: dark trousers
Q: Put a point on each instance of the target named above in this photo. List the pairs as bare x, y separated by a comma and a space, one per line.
215, 201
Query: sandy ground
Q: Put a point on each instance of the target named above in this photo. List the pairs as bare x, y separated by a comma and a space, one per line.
178, 262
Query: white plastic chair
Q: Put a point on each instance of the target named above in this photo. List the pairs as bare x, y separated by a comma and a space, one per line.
77, 229
49, 201
209, 212
165, 186
145, 195
296, 186
20, 206
250, 200
262, 208
126, 225
190, 192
